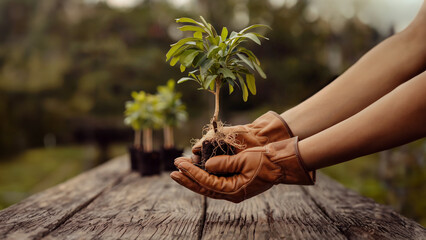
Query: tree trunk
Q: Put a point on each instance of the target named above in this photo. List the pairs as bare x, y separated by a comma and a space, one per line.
216, 106
147, 140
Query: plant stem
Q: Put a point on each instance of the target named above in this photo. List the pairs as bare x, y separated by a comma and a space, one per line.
172, 139
168, 137
147, 140
216, 106
137, 141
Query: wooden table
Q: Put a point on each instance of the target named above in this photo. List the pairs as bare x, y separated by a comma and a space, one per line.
109, 202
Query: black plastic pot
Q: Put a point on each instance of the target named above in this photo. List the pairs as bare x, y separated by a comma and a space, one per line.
149, 163
133, 153
168, 157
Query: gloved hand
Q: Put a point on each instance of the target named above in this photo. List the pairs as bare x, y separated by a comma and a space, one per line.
270, 127
255, 171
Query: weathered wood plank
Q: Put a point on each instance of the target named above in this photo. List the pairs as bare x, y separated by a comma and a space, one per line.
358, 217
41, 213
138, 208
283, 212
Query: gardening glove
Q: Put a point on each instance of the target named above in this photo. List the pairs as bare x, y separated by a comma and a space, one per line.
255, 171
270, 127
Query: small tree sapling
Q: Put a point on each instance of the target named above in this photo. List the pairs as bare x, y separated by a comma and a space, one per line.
143, 115
173, 113
217, 60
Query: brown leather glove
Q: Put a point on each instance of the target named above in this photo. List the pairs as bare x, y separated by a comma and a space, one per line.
270, 127
255, 171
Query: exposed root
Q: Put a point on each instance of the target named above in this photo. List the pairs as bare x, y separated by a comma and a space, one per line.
218, 139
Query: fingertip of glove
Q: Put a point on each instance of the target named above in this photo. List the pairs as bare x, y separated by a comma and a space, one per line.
179, 160
176, 176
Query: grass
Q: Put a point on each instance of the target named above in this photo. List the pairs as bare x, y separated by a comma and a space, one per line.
37, 169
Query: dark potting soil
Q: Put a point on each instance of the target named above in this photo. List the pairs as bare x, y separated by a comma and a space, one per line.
168, 157
133, 153
149, 163
210, 149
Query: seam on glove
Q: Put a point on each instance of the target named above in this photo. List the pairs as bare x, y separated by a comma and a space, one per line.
284, 123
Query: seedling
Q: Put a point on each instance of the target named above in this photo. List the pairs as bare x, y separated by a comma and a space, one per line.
173, 111
142, 115
216, 60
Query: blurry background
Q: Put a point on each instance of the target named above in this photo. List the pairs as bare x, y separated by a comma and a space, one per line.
68, 66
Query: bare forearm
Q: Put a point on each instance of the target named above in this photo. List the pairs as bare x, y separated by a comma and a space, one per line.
378, 72
397, 118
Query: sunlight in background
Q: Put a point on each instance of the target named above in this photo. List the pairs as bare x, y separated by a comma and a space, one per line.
383, 15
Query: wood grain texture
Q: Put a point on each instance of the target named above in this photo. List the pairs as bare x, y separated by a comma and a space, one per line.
358, 217
283, 212
41, 213
138, 208
109, 202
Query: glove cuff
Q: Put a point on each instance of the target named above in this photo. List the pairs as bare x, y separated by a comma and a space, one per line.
286, 155
272, 126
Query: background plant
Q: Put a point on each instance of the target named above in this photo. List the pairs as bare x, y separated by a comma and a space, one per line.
173, 111
218, 60
143, 114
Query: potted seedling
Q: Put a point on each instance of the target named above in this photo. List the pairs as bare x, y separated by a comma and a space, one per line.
215, 60
143, 115
173, 113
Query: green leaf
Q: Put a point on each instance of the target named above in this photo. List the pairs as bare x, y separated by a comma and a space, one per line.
191, 40
188, 56
231, 88
209, 80
172, 51
206, 65
227, 73
252, 37
181, 50
199, 59
212, 85
251, 83
213, 50
260, 36
245, 60
198, 35
250, 54
182, 68
243, 88
231, 84
191, 28
174, 61
254, 26
224, 33
188, 20
185, 79
259, 70
206, 25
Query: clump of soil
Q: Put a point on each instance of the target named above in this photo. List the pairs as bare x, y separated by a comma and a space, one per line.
217, 143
